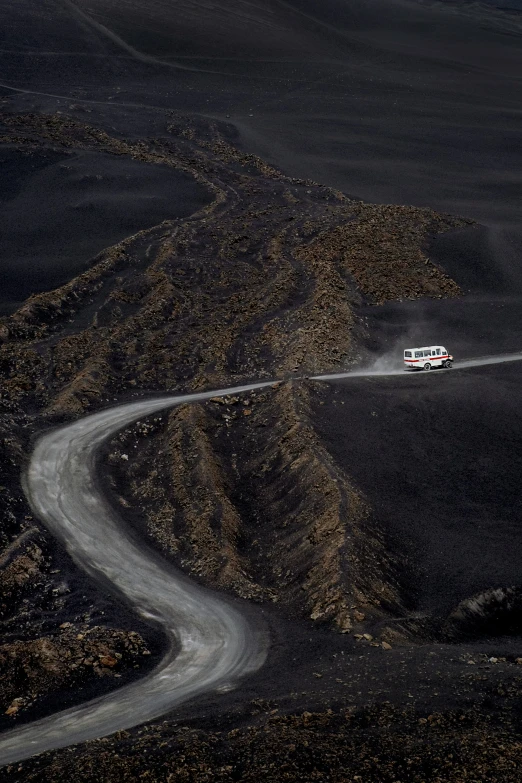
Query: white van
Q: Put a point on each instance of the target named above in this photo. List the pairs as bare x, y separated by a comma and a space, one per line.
426, 358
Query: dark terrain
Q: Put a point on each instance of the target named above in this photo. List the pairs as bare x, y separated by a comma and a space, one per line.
160, 163
79, 204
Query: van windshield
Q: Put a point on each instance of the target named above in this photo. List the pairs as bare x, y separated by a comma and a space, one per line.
407, 353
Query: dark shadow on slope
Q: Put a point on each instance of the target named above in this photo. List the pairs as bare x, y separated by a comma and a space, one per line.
438, 457
58, 209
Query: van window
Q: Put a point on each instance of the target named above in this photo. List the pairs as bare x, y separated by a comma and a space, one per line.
438, 351
418, 354
426, 353
407, 353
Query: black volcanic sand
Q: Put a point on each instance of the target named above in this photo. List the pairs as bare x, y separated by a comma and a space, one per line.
59, 208
439, 458
486, 321
403, 101
476, 326
391, 101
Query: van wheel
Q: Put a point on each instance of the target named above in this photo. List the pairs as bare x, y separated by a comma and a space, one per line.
448, 364
427, 366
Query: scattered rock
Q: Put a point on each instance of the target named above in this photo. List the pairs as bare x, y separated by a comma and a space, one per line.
108, 660
15, 706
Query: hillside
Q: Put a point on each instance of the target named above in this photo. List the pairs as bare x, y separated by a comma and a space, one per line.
214, 194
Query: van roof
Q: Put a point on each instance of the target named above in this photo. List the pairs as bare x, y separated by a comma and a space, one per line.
424, 348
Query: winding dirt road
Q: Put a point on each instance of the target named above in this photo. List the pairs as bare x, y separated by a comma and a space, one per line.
211, 643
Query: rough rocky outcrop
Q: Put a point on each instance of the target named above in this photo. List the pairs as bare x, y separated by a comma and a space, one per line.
262, 281
33, 668
336, 745
242, 492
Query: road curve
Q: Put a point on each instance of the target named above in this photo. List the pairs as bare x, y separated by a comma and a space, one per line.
211, 643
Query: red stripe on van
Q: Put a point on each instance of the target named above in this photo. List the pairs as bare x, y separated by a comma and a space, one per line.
428, 359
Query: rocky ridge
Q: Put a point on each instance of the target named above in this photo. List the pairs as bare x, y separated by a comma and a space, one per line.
261, 282
242, 494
